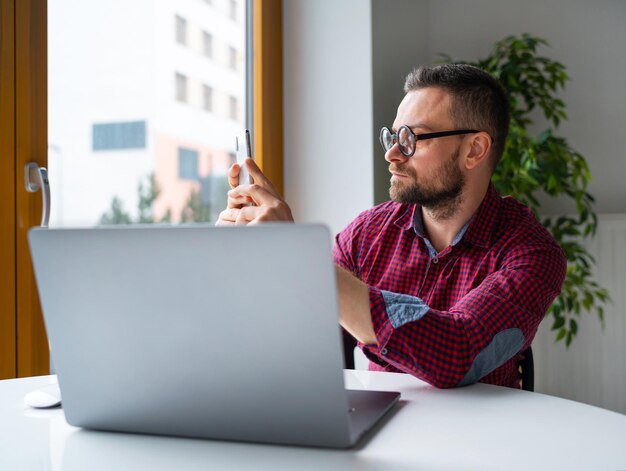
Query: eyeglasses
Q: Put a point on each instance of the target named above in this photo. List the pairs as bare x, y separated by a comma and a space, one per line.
406, 138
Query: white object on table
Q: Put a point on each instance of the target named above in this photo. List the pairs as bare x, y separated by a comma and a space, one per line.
44, 398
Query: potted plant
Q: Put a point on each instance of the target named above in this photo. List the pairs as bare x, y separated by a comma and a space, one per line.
546, 162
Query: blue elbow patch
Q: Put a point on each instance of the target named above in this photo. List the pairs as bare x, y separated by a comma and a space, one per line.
502, 348
402, 308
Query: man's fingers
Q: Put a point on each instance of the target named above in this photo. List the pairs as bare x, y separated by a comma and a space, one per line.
254, 193
233, 175
228, 217
236, 199
268, 205
247, 214
258, 176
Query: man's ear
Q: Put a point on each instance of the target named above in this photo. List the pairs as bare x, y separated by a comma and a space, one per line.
479, 150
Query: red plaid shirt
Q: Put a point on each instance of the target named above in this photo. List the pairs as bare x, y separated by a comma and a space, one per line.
461, 315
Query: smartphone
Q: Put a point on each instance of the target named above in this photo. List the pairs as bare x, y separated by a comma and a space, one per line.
243, 150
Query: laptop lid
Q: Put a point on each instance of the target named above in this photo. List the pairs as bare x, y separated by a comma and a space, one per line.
226, 333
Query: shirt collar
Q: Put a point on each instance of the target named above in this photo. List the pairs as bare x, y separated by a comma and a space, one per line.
405, 221
481, 226
485, 220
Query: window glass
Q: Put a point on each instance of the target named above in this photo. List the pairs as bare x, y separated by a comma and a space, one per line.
234, 108
111, 136
187, 164
181, 87
207, 44
207, 95
181, 30
145, 100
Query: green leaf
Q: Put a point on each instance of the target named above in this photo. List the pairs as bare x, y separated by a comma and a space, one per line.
573, 326
558, 323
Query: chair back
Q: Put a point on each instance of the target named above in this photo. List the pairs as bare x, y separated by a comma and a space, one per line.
527, 369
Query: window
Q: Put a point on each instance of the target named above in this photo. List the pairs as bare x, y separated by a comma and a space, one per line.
233, 108
207, 98
115, 136
232, 57
181, 30
233, 10
207, 44
181, 87
69, 122
179, 82
187, 164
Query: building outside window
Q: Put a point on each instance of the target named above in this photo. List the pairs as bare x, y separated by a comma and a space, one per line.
131, 77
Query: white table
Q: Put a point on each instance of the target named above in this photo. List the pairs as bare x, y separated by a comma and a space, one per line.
479, 427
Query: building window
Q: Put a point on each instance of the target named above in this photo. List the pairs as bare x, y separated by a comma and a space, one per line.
233, 10
207, 44
181, 87
187, 164
207, 98
181, 30
117, 136
232, 57
233, 108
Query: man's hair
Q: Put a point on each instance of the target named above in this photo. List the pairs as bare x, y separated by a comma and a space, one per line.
478, 99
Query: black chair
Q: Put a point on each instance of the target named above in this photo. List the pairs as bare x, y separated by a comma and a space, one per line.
348, 350
526, 366
527, 370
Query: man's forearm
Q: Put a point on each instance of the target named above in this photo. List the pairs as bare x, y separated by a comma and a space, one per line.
354, 307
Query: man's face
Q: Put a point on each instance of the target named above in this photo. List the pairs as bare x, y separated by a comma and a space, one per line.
432, 177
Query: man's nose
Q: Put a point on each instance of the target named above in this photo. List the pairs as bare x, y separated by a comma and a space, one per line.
394, 154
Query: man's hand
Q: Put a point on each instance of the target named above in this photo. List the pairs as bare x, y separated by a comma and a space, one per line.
267, 204
354, 307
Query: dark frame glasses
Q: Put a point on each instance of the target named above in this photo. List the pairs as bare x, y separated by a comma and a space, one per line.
406, 138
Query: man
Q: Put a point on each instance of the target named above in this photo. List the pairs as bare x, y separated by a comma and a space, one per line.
448, 281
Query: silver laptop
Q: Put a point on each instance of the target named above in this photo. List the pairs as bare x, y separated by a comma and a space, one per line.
223, 333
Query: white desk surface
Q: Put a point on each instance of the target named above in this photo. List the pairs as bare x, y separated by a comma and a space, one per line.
479, 427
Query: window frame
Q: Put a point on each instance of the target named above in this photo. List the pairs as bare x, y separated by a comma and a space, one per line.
24, 118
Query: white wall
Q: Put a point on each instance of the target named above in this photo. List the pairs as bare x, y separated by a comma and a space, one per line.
399, 43
593, 369
328, 109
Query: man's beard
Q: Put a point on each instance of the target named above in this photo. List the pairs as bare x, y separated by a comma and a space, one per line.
442, 195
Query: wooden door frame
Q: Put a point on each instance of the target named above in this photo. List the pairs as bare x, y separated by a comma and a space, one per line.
31, 144
267, 86
8, 365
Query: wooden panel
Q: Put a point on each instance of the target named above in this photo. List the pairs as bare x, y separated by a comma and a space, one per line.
31, 145
268, 88
7, 191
